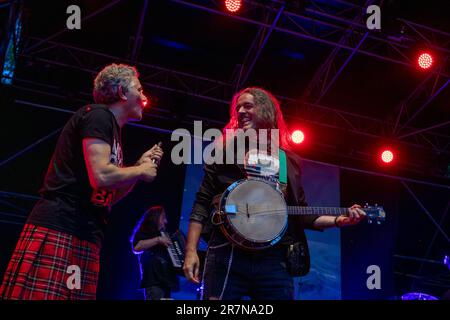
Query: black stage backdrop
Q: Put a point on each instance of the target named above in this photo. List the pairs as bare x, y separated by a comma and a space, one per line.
367, 244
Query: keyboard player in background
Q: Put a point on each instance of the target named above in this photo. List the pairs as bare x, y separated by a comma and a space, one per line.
158, 276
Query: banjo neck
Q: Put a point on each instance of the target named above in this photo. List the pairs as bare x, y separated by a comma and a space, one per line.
319, 211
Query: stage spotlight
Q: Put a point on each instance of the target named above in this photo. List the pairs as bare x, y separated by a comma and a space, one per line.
233, 5
425, 60
297, 136
387, 156
148, 103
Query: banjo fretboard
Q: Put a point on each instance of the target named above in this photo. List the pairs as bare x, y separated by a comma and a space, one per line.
329, 211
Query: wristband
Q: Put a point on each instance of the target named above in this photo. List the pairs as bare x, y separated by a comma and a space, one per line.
335, 221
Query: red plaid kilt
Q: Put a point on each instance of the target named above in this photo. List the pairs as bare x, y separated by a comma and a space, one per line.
38, 269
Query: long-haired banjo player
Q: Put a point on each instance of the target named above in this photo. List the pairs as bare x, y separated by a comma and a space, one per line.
254, 213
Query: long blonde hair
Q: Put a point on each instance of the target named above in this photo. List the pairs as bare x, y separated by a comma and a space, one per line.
269, 112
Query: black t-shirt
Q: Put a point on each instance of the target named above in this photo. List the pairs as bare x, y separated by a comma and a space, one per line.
156, 266
69, 204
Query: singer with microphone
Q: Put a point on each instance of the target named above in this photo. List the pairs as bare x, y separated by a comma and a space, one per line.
86, 176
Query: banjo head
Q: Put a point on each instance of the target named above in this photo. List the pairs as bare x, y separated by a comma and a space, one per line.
255, 212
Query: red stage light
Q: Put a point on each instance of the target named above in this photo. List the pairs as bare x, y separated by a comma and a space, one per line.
146, 102
425, 60
233, 5
297, 136
387, 156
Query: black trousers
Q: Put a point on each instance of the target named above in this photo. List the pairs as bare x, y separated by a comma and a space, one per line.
157, 293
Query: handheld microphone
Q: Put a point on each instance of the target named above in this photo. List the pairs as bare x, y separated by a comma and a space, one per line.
159, 145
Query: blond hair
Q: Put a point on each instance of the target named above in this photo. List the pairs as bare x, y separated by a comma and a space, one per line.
107, 82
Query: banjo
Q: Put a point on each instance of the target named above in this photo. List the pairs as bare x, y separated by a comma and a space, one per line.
253, 214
